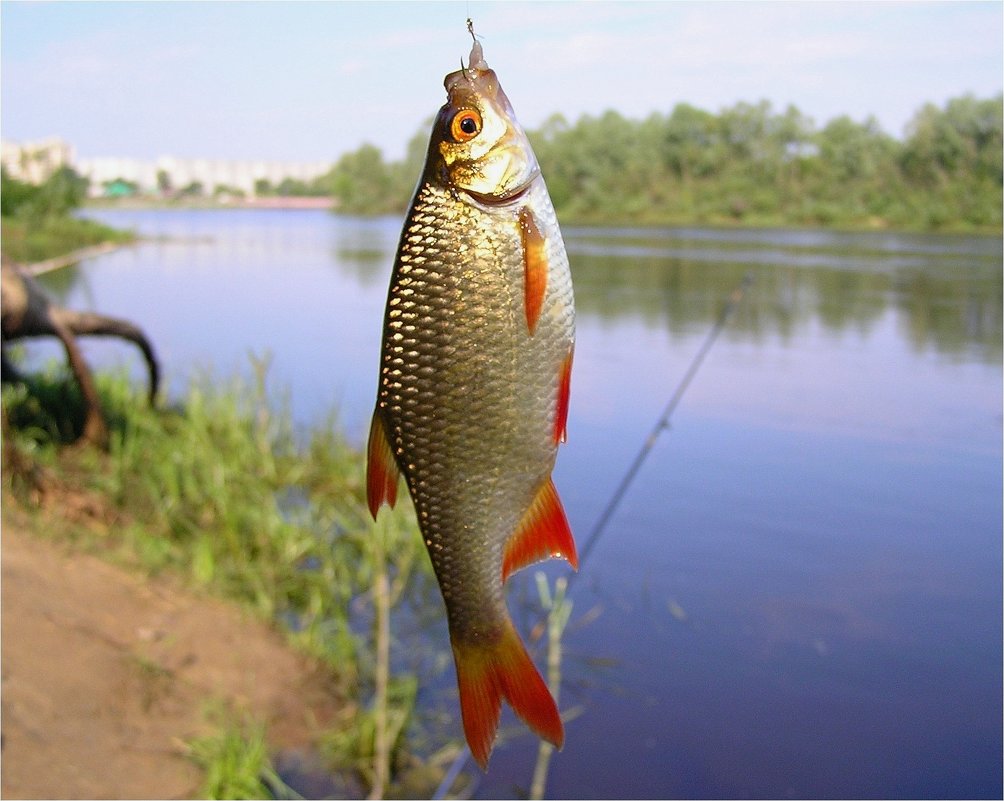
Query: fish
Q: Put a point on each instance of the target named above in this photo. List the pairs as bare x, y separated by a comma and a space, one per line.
474, 385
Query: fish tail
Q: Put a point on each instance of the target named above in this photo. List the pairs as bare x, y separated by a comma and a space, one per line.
488, 673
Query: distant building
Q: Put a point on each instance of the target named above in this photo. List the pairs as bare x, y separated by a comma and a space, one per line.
104, 172
169, 173
34, 162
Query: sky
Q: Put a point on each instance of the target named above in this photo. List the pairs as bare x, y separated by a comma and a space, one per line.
308, 81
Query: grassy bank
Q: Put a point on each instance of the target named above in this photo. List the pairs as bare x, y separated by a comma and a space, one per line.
38, 221
26, 241
219, 490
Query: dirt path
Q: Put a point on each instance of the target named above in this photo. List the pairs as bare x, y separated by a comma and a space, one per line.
106, 673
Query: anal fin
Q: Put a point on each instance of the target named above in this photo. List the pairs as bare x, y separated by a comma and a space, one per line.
381, 470
542, 533
487, 673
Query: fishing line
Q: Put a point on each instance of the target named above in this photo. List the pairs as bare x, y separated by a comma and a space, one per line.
735, 298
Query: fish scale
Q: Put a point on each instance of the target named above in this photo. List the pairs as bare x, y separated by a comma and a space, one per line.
478, 337
461, 408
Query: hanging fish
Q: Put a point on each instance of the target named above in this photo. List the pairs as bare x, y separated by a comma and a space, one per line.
474, 384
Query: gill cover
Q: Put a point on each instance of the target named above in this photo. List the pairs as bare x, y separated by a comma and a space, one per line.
477, 144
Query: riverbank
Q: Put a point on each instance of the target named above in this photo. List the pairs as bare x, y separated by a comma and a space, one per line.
27, 241
110, 676
214, 492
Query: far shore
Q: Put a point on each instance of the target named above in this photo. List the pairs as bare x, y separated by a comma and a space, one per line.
301, 203
226, 202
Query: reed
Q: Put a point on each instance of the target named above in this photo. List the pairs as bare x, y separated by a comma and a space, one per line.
559, 609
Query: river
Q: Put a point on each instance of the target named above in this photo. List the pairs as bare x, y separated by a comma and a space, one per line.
800, 594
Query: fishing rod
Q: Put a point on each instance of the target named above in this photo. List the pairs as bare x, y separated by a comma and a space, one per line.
734, 299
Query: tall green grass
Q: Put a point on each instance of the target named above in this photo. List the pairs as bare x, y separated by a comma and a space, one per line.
220, 489
235, 760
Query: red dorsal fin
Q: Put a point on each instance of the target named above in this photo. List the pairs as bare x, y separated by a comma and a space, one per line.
487, 673
564, 391
381, 470
543, 533
534, 267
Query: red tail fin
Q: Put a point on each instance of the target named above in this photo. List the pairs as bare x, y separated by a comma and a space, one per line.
488, 673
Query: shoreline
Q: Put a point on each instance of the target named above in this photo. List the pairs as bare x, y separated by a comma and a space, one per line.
328, 204
265, 202
74, 256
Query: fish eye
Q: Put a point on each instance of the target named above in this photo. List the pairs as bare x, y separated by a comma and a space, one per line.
465, 125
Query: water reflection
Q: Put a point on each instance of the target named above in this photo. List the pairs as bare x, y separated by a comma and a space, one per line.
844, 281
947, 290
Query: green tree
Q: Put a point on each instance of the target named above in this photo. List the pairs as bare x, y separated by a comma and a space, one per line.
689, 140
953, 155
164, 182
746, 163
14, 194
362, 183
964, 137
62, 192
853, 151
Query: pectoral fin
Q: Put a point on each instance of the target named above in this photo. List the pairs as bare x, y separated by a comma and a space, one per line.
381, 470
543, 533
534, 267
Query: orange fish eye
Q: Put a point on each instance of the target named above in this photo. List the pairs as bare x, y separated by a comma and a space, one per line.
465, 125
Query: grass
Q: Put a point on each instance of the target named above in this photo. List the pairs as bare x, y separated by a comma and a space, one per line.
235, 759
30, 240
219, 490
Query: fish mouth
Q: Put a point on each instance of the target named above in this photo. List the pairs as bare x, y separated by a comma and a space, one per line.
508, 195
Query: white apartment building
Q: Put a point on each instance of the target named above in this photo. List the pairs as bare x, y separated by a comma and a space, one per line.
35, 161
240, 175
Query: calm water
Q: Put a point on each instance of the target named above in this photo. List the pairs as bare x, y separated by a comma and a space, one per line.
801, 593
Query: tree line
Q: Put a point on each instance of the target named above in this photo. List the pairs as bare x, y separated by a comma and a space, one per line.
747, 164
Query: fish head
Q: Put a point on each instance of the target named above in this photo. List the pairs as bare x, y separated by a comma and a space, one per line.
477, 144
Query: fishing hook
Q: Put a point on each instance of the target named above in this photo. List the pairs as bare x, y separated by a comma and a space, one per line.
470, 30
